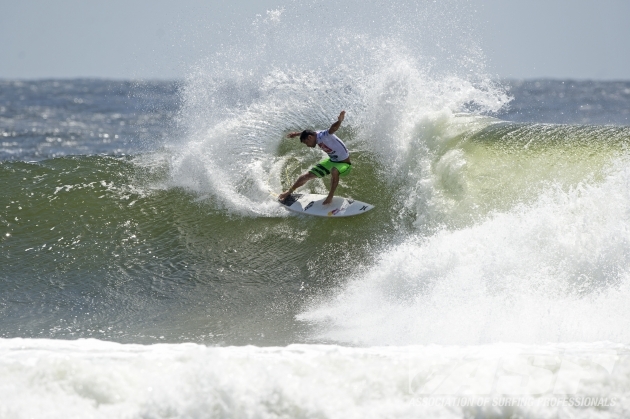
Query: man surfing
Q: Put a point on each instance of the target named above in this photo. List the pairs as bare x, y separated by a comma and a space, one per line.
337, 164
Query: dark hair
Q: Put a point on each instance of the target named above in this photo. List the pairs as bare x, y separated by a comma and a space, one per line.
304, 135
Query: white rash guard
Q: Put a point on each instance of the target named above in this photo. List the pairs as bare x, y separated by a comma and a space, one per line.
332, 145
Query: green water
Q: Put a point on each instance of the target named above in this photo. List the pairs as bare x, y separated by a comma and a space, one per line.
107, 247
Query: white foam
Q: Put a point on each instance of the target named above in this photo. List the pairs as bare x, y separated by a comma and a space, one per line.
90, 378
552, 271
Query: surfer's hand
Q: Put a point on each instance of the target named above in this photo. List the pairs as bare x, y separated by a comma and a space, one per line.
292, 134
342, 115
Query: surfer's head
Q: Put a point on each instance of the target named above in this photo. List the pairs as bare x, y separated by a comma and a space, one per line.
309, 138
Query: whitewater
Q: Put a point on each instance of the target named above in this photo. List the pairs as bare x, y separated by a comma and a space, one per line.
148, 273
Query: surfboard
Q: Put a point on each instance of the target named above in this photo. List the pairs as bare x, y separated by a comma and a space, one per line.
312, 204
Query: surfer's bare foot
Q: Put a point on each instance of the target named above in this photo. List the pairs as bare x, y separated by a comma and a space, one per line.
327, 201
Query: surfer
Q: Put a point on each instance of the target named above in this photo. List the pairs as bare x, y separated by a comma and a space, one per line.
336, 164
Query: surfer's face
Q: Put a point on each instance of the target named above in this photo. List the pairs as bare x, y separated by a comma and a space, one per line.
310, 141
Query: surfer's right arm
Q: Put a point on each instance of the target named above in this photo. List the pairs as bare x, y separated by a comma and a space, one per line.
334, 127
293, 134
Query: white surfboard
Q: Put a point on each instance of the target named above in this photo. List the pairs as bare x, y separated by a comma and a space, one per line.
312, 204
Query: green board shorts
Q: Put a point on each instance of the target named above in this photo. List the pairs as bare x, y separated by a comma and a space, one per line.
324, 167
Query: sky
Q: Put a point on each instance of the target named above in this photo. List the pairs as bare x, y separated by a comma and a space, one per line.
159, 39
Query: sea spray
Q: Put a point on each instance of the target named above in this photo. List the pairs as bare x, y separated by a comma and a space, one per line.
239, 103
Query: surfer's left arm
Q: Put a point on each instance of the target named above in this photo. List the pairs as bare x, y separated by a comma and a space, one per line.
334, 181
334, 127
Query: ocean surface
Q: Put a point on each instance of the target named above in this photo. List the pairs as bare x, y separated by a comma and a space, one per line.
147, 272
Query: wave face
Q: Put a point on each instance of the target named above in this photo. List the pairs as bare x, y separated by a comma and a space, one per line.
489, 216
